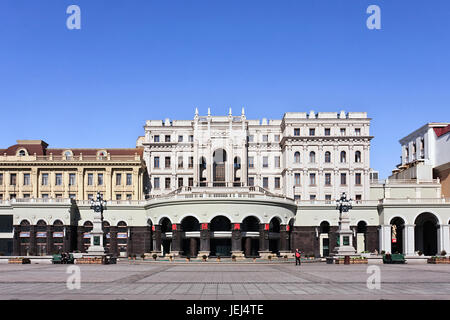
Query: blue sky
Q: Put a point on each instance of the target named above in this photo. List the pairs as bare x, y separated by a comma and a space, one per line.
144, 59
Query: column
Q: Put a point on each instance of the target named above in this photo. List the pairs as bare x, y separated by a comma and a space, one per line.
33, 244
113, 241
16, 241
80, 184
156, 238
108, 184
49, 239
284, 238
176, 239
443, 238
408, 240
236, 241
248, 246
193, 247
205, 237
385, 238
263, 240
34, 182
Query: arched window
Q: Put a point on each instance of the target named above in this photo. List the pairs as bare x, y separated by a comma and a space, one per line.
297, 157
343, 157
22, 153
68, 155
327, 157
312, 157
358, 156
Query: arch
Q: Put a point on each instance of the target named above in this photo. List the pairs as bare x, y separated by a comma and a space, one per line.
361, 227
106, 224
250, 223
312, 157
405, 221
282, 221
237, 169
343, 157
190, 223
297, 157
67, 154
88, 224
397, 227
166, 225
58, 222
426, 233
358, 156
25, 222
324, 227
41, 223
432, 215
327, 157
149, 222
220, 223
275, 224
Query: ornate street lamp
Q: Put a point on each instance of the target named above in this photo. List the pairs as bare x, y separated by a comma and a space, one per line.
96, 248
345, 234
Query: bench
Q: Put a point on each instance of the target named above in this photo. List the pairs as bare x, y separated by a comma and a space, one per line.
57, 259
393, 258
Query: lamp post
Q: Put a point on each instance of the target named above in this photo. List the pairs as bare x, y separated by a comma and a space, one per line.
96, 248
345, 234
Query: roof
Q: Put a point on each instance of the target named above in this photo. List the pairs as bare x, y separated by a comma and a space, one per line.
442, 130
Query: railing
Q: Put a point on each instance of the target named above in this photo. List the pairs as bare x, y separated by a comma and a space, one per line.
40, 200
333, 203
416, 201
51, 157
404, 181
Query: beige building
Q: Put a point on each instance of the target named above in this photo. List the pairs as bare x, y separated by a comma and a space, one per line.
30, 169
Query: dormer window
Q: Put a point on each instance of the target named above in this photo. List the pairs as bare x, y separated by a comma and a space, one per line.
22, 153
68, 155
101, 155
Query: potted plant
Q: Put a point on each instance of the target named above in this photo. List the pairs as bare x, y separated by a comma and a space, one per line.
269, 257
285, 258
254, 259
218, 259
233, 257
134, 257
170, 257
204, 257
154, 256
188, 259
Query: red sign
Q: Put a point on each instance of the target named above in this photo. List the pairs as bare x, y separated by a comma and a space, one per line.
204, 226
237, 226
266, 226
153, 228
287, 228
394, 240
174, 227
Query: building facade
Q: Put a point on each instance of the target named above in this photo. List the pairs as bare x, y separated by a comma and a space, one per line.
221, 186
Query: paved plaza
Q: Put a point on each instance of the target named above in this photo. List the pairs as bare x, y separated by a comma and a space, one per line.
222, 281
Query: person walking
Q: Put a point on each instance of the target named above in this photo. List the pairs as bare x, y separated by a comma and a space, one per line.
297, 257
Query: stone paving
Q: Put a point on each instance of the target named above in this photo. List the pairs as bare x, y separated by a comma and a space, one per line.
215, 281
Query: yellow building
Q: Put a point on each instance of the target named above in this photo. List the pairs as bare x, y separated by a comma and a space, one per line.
31, 170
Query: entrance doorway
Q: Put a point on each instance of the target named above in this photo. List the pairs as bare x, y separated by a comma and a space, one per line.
425, 233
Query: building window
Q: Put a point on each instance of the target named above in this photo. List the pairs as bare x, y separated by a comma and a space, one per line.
129, 179
90, 179
180, 162
167, 183
12, 179
342, 131
156, 138
100, 179
58, 179
327, 131
72, 179
358, 178
297, 132
191, 182
265, 182
328, 179
118, 197
118, 179
58, 196
72, 196
312, 179
26, 179
191, 162
297, 179
90, 196
358, 198
277, 162
1, 179
167, 138
312, 132
343, 157
129, 196
312, 197
156, 162
251, 181
343, 179
26, 196
312, 157
297, 157
357, 131
156, 183
167, 162
265, 162
277, 138
191, 138
297, 197
265, 138
251, 162
358, 156
327, 157
250, 138
277, 183
45, 179
328, 198
180, 182
180, 138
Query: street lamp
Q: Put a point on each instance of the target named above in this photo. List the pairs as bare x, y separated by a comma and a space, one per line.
345, 234
96, 248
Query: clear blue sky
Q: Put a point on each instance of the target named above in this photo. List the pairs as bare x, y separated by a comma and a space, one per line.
139, 59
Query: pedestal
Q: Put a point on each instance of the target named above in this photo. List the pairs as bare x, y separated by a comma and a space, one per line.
238, 254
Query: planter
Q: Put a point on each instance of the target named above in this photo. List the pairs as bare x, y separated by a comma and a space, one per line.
439, 260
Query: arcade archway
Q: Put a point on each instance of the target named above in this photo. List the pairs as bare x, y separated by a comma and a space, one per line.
425, 233
220, 243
